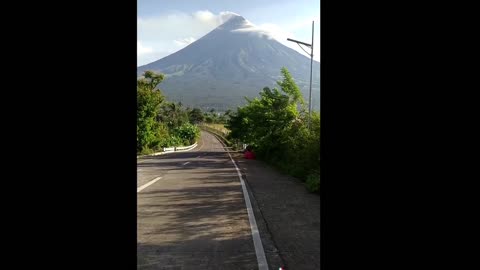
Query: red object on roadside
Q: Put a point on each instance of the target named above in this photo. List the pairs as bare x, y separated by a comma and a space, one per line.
249, 155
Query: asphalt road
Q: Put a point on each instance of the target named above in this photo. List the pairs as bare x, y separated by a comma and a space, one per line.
191, 212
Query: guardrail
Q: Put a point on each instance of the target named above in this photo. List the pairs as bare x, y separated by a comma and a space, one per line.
177, 149
167, 150
185, 148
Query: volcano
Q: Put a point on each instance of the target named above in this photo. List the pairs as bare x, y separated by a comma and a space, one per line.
234, 60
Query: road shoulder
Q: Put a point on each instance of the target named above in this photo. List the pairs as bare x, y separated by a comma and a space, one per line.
287, 215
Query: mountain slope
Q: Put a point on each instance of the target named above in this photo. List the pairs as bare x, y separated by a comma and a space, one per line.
230, 62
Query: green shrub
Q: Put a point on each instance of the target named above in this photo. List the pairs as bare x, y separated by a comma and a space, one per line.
146, 151
275, 124
188, 133
174, 140
313, 182
161, 138
148, 104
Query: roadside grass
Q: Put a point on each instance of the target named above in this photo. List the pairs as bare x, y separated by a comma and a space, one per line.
218, 127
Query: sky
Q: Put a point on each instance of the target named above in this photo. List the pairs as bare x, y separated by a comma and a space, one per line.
164, 27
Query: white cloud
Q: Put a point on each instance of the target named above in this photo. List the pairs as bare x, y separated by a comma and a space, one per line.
301, 30
225, 15
141, 50
304, 23
281, 34
271, 30
169, 33
204, 16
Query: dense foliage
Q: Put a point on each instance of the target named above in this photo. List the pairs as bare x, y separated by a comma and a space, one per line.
188, 133
149, 131
275, 124
161, 123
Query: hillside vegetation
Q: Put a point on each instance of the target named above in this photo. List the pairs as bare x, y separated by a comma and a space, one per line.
161, 123
275, 125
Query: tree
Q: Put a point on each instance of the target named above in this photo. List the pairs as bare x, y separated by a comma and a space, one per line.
150, 80
149, 132
290, 88
274, 126
188, 133
266, 119
208, 118
173, 115
221, 119
195, 116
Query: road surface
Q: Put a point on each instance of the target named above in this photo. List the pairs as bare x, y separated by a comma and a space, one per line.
191, 211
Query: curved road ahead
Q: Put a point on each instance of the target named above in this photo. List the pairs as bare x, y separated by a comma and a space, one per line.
191, 212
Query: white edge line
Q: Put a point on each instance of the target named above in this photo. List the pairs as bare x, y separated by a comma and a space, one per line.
186, 163
257, 242
148, 184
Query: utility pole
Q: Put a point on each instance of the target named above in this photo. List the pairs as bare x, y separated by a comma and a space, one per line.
311, 66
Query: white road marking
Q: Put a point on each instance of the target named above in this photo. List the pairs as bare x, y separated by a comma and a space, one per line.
186, 163
148, 184
257, 242
198, 156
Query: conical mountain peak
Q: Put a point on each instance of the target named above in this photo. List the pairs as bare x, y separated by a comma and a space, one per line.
230, 62
234, 21
236, 18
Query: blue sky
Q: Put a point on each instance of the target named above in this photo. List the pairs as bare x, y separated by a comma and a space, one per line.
164, 27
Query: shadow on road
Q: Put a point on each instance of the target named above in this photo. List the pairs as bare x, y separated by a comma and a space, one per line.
200, 160
168, 256
195, 220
